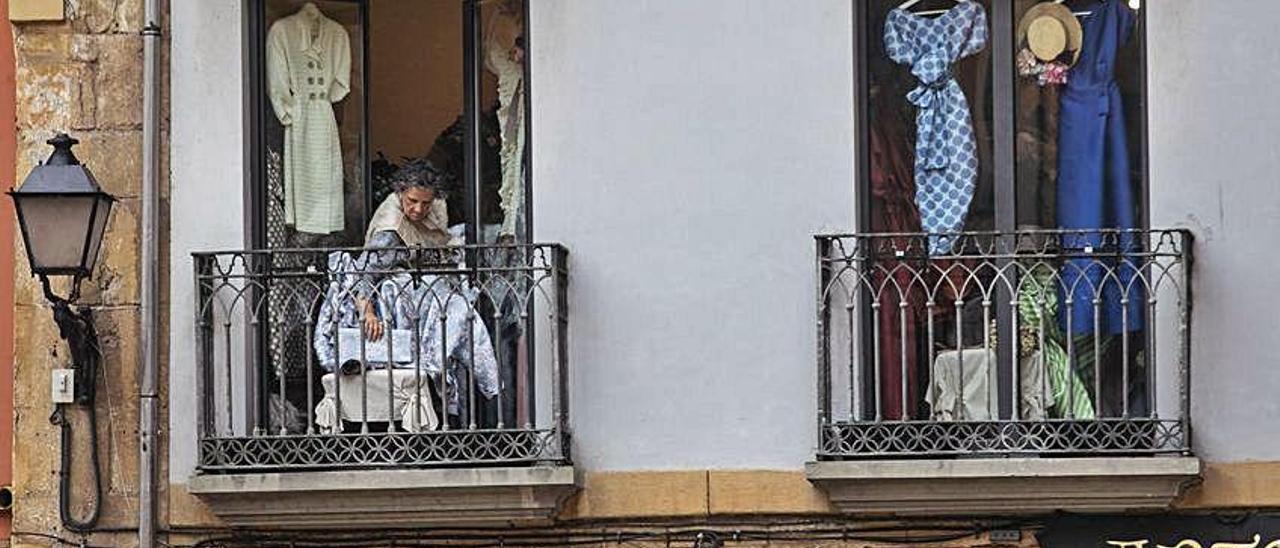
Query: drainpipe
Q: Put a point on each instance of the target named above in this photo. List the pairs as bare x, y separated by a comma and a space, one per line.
150, 256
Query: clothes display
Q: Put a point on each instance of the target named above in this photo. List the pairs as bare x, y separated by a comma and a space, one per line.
1064, 394
452, 339
1095, 182
946, 165
341, 132
308, 66
963, 385
502, 51
1072, 170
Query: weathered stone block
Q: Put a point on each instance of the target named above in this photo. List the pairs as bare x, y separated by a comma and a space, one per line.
118, 81
46, 94
36, 10
103, 16
115, 158
38, 351
33, 45
84, 48
37, 347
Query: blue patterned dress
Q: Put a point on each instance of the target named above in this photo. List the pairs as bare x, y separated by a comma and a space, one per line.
946, 153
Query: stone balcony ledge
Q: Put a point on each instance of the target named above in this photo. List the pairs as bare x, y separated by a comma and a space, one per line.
1003, 486
364, 499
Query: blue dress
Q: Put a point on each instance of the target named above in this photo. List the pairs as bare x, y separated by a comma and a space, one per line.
946, 153
1095, 184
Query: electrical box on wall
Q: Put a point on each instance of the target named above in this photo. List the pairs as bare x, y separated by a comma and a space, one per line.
36, 10
64, 385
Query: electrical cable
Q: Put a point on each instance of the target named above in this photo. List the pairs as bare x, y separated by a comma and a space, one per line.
64, 475
561, 537
82, 338
60, 540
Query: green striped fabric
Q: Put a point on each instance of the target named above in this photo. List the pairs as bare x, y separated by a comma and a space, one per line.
1037, 310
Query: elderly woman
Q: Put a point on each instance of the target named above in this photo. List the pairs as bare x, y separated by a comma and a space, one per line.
415, 215
432, 316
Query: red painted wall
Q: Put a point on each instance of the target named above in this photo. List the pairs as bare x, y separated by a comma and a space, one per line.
8, 161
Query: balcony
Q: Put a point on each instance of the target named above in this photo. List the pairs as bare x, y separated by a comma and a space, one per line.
456, 413
1020, 372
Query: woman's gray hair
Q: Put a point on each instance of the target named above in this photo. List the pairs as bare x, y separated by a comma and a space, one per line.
417, 173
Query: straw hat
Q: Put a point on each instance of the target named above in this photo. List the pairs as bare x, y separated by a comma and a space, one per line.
1048, 29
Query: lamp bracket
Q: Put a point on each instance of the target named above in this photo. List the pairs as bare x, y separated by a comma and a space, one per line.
77, 328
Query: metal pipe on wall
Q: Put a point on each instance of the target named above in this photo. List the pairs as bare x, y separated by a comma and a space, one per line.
150, 256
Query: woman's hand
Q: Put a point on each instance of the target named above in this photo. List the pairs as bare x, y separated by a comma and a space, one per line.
372, 325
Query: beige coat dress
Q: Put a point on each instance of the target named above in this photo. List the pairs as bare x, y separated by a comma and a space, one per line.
309, 69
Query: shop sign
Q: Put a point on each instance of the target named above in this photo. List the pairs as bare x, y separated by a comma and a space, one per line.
1167, 531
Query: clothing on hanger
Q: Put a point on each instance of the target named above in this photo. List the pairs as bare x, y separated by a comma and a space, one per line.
1095, 182
909, 3
946, 164
501, 35
1061, 391
309, 69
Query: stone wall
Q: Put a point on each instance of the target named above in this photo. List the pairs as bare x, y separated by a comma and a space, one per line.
83, 76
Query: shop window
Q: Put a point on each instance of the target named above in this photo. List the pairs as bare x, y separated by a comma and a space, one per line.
1005, 140
349, 92
353, 102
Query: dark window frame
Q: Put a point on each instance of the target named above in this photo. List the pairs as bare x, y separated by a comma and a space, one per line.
257, 112
1002, 24
1004, 86
473, 69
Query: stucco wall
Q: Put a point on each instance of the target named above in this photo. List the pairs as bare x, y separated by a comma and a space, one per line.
209, 177
1215, 169
685, 152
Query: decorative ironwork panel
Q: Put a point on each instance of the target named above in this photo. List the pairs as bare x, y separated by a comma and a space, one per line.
384, 356
385, 450
1044, 342
1091, 437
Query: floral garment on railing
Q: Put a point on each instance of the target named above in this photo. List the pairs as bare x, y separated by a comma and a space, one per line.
438, 309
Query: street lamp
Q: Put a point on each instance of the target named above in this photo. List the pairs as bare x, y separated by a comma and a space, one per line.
62, 213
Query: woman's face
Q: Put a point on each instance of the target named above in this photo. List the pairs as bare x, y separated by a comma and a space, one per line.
415, 202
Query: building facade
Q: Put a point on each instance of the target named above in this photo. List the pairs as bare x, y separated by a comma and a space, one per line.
763, 273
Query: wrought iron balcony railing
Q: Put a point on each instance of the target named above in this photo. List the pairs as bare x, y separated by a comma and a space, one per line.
376, 358
1044, 342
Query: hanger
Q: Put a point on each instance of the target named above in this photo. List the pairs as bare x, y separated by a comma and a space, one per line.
1075, 13
310, 9
907, 5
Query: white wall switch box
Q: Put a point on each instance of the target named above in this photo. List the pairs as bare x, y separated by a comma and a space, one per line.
64, 386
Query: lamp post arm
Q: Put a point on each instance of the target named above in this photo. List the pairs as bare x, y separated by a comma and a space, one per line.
77, 328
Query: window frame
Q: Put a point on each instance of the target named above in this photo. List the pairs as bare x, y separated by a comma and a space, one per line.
1001, 25
258, 111
473, 70
1004, 110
